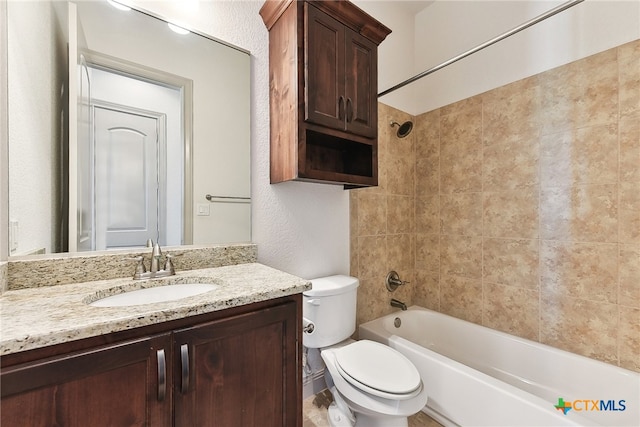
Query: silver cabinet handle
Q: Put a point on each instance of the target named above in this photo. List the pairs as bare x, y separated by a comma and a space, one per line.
349, 110
340, 107
162, 375
184, 360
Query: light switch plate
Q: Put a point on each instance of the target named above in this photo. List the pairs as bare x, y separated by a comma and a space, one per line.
203, 209
13, 235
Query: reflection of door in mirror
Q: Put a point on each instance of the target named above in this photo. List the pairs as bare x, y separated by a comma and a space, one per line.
136, 131
127, 178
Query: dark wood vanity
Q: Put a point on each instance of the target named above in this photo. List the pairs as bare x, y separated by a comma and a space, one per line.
323, 74
235, 367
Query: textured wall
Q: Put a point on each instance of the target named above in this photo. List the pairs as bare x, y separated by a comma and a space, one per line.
527, 210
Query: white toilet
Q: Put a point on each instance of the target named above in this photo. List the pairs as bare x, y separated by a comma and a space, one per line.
372, 384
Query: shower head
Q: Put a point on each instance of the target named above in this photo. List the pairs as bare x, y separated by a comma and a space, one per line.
403, 129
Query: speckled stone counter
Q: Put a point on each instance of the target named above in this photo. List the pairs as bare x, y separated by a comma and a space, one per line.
38, 317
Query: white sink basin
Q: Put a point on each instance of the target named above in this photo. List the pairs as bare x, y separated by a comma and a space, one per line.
154, 295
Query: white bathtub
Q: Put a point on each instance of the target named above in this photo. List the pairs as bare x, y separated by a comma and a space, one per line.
476, 376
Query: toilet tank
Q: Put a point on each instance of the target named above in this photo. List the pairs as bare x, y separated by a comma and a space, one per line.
330, 305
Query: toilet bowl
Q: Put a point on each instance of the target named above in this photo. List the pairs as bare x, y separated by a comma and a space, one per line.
373, 385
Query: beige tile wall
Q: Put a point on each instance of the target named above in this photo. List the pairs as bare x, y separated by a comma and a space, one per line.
382, 221
526, 211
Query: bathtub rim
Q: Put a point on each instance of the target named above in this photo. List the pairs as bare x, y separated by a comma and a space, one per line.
503, 334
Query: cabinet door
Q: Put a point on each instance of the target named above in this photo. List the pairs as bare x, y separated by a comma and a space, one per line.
324, 59
240, 371
109, 386
361, 85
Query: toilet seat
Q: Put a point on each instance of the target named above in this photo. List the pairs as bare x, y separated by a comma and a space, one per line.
379, 370
363, 402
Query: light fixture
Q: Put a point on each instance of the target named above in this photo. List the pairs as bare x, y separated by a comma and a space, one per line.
177, 29
118, 5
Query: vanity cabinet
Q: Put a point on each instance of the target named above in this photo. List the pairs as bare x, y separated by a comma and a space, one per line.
234, 367
323, 91
238, 371
114, 385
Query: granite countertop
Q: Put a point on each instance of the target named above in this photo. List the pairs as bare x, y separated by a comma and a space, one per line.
39, 317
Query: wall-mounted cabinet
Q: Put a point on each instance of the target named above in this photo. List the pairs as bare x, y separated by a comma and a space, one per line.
323, 72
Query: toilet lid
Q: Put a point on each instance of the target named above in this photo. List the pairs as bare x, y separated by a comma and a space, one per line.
378, 369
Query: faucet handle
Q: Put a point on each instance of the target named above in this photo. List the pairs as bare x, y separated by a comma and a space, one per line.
393, 281
168, 264
140, 268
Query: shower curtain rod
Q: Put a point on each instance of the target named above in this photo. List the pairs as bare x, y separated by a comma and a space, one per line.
539, 18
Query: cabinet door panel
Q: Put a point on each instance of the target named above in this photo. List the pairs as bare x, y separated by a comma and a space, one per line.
361, 85
325, 102
110, 386
242, 371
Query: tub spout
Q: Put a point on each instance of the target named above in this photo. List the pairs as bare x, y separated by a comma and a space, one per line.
398, 304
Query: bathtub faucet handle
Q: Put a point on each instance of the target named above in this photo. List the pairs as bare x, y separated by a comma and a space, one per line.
393, 281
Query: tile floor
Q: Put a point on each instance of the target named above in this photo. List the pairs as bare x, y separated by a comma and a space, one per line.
314, 413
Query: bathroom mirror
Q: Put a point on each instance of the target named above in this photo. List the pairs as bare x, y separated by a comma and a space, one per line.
122, 129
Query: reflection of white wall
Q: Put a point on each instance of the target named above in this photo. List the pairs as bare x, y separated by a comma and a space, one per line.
32, 96
123, 90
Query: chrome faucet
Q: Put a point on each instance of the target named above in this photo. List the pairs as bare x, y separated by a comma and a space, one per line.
398, 304
154, 267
